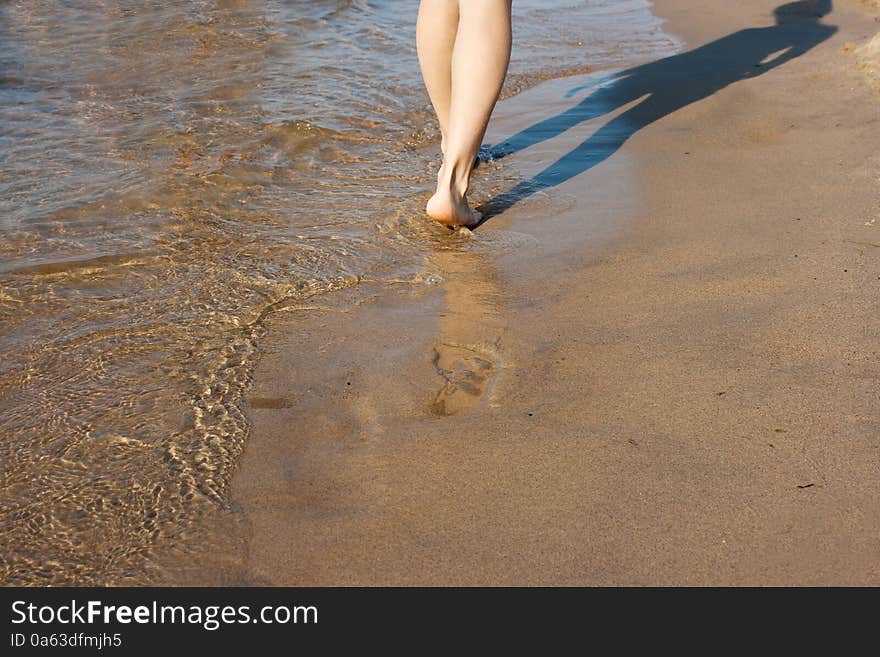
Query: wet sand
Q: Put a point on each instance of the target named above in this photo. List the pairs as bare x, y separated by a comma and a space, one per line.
672, 383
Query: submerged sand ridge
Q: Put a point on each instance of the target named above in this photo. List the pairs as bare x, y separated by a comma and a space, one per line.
691, 402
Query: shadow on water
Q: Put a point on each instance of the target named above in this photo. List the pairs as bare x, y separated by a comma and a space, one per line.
664, 86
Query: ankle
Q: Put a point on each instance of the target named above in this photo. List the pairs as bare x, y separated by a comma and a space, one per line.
455, 177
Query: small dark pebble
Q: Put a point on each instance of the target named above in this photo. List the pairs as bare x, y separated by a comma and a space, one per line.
632, 441
723, 392
530, 415
348, 383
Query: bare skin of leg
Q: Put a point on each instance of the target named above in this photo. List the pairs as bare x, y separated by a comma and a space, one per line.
435, 38
464, 50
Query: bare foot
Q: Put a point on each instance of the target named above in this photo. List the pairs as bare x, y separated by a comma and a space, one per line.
449, 204
451, 209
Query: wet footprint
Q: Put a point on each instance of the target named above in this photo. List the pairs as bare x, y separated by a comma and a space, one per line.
466, 377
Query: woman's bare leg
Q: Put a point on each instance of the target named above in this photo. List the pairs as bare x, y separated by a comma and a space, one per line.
435, 39
480, 56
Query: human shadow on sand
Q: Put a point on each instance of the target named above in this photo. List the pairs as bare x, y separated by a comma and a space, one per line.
665, 86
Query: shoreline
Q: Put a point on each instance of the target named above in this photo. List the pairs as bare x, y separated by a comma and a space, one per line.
669, 396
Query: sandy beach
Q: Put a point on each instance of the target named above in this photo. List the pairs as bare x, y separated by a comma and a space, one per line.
675, 384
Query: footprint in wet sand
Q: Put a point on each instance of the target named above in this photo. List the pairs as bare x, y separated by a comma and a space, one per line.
466, 376
470, 325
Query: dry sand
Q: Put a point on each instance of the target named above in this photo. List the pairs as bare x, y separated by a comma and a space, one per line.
868, 59
667, 374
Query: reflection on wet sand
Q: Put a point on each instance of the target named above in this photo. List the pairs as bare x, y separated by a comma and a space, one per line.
351, 395
467, 350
